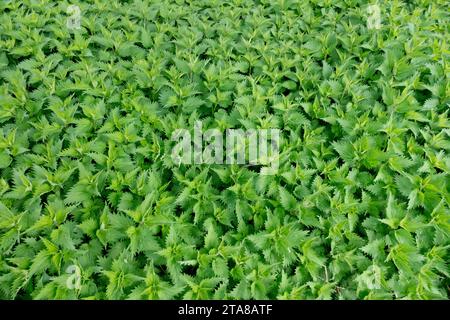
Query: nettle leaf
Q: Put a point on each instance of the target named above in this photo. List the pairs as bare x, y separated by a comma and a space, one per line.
287, 200
375, 249
77, 194
5, 160
394, 213
406, 258
345, 150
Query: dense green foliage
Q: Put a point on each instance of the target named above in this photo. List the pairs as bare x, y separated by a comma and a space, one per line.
359, 209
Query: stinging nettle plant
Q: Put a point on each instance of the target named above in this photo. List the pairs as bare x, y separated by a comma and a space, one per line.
356, 204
